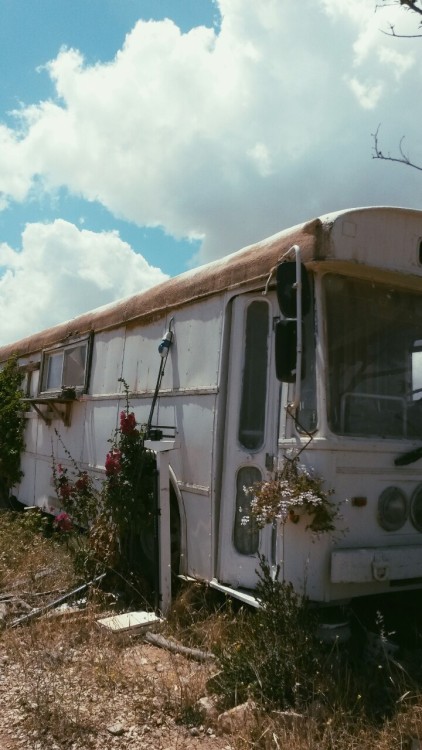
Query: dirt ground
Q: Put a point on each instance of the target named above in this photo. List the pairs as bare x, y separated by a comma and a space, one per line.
68, 685
67, 682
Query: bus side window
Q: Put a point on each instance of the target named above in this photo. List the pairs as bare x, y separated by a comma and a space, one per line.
253, 402
417, 371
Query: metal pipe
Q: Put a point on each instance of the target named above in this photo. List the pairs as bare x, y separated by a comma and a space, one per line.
299, 344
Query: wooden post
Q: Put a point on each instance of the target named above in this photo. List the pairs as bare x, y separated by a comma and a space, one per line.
161, 449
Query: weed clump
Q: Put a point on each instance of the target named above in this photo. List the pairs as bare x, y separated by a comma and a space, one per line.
273, 655
11, 428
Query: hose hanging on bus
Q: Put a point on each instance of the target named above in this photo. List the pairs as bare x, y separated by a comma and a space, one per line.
163, 348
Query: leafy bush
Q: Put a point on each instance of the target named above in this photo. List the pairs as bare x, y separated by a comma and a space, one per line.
113, 513
128, 492
273, 655
11, 427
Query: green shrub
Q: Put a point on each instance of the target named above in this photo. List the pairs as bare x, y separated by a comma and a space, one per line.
273, 655
102, 521
11, 427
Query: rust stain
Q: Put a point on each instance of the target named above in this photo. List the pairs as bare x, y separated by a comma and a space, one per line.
252, 264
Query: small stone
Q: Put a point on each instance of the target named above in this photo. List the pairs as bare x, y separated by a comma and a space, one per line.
116, 730
194, 732
207, 708
237, 718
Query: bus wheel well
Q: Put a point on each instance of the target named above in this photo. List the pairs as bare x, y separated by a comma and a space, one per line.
148, 543
175, 531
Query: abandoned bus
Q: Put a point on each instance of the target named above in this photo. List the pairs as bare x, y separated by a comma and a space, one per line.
307, 344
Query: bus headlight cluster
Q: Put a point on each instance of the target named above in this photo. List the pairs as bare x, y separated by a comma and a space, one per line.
416, 508
393, 508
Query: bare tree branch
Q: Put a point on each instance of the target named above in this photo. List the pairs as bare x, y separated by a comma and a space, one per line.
411, 4
402, 159
408, 5
392, 32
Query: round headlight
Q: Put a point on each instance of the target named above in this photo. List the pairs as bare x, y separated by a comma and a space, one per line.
392, 509
416, 508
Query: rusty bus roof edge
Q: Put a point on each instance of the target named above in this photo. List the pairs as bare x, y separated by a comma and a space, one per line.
252, 263
243, 267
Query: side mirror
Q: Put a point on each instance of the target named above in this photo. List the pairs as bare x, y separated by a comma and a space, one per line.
285, 351
286, 289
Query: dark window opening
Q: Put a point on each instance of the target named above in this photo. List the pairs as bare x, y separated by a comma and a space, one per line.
374, 359
254, 382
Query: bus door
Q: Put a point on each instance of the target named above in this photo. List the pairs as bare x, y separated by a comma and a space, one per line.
250, 440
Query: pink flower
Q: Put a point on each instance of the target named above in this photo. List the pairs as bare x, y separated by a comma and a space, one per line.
63, 522
112, 463
82, 483
65, 490
127, 423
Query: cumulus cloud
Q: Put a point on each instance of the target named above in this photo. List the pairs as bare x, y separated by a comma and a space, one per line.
367, 95
226, 136
61, 271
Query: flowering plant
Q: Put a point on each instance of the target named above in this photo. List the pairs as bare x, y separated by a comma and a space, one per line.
116, 509
63, 522
293, 490
76, 494
113, 463
128, 490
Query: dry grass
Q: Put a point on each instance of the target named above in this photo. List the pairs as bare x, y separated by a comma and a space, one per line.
72, 682
31, 562
67, 683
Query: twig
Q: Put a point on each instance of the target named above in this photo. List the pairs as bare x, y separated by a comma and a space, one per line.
193, 653
41, 610
402, 159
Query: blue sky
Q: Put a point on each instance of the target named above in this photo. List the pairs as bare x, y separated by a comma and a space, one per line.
32, 33
139, 138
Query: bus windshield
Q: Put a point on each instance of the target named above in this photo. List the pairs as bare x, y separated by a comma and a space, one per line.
374, 369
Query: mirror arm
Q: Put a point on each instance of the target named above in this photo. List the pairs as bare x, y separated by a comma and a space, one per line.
299, 345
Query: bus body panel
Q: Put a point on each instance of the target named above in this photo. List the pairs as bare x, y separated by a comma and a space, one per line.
206, 401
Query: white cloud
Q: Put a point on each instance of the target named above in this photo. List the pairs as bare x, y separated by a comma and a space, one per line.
367, 95
373, 26
226, 136
61, 271
400, 62
261, 157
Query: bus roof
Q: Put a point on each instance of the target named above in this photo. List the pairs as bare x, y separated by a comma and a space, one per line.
245, 266
249, 266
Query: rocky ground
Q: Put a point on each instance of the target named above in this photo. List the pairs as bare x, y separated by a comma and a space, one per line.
66, 684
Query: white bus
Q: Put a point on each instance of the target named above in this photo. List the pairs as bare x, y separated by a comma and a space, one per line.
246, 384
